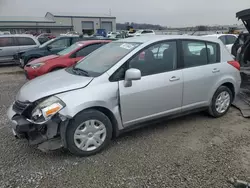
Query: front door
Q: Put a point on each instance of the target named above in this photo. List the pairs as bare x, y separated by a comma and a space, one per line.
159, 92
8, 48
201, 72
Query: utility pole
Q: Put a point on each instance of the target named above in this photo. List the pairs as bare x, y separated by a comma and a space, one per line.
110, 11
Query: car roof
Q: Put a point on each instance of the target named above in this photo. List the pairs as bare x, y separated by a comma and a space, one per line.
86, 42
218, 35
18, 35
156, 38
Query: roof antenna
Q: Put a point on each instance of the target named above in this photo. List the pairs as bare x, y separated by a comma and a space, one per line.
110, 11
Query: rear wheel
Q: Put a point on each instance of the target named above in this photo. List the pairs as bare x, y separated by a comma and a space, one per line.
88, 133
221, 102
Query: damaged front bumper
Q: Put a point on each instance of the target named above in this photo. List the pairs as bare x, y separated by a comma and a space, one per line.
47, 136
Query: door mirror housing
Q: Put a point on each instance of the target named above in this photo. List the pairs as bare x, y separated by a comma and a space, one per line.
130, 75
49, 47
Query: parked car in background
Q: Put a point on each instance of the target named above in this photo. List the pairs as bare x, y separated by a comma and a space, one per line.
62, 59
111, 91
242, 45
239, 43
11, 44
52, 46
227, 39
70, 33
5, 33
112, 34
144, 32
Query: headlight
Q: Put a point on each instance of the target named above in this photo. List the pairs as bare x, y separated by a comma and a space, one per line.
36, 65
46, 109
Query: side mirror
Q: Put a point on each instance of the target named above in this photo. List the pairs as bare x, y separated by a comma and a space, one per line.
73, 55
49, 47
130, 75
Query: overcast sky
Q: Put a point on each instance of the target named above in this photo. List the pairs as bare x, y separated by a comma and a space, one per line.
163, 12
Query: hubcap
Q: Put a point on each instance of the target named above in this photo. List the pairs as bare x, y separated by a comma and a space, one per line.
222, 102
90, 135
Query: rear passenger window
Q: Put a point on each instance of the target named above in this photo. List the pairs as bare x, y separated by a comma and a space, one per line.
7, 41
25, 41
194, 53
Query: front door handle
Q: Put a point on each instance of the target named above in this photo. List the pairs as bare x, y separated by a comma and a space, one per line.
174, 78
215, 70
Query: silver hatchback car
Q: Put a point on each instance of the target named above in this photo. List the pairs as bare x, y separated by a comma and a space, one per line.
123, 85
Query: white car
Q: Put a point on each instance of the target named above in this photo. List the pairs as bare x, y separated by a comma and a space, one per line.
112, 34
144, 32
227, 39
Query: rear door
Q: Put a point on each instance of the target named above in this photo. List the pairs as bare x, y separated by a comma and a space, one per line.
201, 72
8, 47
25, 43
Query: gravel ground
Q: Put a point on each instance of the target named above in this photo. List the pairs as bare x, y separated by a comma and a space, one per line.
192, 151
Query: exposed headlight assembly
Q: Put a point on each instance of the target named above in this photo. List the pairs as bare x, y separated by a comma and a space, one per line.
37, 65
45, 110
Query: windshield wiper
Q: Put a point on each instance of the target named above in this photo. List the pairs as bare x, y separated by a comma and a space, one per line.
79, 71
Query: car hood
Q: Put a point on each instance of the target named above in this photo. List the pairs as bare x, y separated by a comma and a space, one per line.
244, 16
50, 84
43, 59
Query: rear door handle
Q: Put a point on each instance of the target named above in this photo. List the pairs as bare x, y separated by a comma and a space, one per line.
215, 70
174, 78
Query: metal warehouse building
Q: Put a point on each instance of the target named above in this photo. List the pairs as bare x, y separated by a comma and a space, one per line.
58, 23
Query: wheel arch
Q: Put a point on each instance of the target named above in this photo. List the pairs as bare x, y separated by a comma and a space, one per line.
109, 114
230, 86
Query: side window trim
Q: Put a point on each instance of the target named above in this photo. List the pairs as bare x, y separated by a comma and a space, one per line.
218, 52
181, 54
113, 78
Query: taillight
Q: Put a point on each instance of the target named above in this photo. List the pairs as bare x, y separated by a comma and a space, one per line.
235, 64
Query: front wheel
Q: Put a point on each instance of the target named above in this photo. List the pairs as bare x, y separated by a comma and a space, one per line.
221, 102
88, 133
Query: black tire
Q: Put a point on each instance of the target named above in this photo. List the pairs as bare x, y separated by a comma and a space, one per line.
79, 119
212, 108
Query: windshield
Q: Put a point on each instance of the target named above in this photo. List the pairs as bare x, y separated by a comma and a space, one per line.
105, 57
47, 43
70, 49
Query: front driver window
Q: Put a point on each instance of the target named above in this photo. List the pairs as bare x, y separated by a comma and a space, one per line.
159, 58
61, 43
